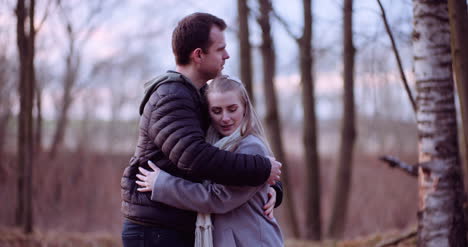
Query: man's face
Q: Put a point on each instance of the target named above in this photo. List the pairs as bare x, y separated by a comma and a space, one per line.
212, 62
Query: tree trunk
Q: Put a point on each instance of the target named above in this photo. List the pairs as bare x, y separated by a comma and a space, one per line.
348, 131
25, 42
4, 120
69, 81
245, 50
38, 126
459, 37
272, 119
440, 210
313, 220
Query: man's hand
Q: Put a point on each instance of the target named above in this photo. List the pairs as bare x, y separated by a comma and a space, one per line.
147, 178
270, 205
275, 171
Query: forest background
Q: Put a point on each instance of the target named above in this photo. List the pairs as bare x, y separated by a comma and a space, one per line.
92, 58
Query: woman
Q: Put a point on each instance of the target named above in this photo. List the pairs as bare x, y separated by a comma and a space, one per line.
237, 211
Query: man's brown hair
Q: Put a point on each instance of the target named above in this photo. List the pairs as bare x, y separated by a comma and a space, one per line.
193, 32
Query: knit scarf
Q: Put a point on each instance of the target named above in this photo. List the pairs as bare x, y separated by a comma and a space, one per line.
203, 226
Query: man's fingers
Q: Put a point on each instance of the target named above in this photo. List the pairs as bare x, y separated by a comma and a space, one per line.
271, 215
152, 165
269, 204
279, 164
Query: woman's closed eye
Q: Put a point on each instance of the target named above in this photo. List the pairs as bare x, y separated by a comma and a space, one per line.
216, 110
233, 108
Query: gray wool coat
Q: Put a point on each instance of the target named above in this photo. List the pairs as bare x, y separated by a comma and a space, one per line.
237, 212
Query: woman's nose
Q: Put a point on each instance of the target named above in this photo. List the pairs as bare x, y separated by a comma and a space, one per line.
225, 117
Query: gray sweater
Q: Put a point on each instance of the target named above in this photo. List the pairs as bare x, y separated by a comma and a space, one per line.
237, 212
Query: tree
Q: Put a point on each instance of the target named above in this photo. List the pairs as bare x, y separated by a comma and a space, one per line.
77, 35
6, 89
440, 216
348, 130
272, 119
313, 220
26, 33
459, 37
313, 197
245, 50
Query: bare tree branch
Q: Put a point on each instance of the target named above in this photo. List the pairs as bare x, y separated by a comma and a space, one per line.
393, 162
46, 14
285, 25
397, 56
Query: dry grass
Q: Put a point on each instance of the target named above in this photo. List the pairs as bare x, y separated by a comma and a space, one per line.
12, 237
15, 238
80, 192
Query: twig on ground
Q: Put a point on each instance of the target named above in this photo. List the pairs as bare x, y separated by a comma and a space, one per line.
398, 239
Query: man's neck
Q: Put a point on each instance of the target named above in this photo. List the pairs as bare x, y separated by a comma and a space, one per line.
192, 74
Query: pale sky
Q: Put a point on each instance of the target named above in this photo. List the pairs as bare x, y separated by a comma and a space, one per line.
152, 22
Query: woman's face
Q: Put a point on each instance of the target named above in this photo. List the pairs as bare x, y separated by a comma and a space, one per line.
226, 111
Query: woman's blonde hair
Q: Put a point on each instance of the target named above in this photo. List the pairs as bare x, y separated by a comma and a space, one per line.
250, 125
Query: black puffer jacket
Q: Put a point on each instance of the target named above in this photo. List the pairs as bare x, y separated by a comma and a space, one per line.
172, 134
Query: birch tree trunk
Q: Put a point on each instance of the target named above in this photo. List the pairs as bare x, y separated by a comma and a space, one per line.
245, 49
272, 119
313, 220
440, 210
26, 43
348, 131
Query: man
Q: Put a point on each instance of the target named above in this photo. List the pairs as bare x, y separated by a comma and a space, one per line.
173, 122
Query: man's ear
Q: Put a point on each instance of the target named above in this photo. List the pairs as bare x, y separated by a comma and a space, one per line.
197, 55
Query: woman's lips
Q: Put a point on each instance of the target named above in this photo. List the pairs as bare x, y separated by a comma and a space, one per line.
226, 127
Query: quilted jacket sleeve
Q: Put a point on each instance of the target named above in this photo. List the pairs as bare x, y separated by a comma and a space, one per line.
176, 129
207, 197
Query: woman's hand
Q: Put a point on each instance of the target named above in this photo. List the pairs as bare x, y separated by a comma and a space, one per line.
147, 178
270, 205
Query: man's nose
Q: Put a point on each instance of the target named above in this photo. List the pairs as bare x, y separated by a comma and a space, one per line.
226, 55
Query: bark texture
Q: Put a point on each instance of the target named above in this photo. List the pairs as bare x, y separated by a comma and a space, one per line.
440, 209
459, 38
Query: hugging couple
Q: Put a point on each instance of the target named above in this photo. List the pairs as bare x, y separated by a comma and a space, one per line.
202, 173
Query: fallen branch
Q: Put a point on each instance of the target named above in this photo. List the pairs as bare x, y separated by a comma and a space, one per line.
398, 239
393, 162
